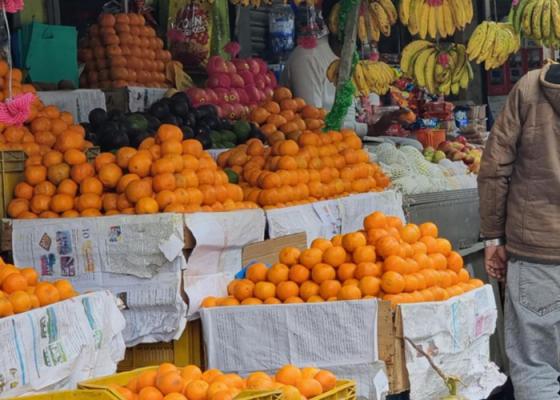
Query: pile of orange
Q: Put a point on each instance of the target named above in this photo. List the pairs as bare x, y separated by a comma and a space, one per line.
389, 260
285, 117
165, 174
121, 50
168, 382
317, 166
21, 290
39, 133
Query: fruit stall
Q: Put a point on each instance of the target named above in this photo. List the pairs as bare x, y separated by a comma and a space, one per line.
184, 226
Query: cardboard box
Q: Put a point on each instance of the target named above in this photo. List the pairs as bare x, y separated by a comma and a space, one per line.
267, 251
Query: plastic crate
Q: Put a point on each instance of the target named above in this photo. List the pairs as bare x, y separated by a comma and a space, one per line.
184, 351
431, 137
344, 390
92, 152
123, 378
71, 395
12, 166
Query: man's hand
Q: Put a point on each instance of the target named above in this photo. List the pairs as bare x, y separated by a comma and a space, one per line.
495, 261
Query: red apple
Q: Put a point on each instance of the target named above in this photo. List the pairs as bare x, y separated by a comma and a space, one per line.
243, 97
239, 110
236, 80
216, 64
240, 64
254, 66
247, 77
268, 92
260, 82
223, 95
227, 110
263, 67
213, 82
197, 96
230, 67
211, 96
272, 77
233, 96
253, 93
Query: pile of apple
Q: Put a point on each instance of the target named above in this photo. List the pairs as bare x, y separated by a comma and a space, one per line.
234, 87
456, 150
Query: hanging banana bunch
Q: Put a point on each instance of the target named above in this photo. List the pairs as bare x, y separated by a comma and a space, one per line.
492, 43
369, 76
376, 17
435, 17
440, 71
538, 20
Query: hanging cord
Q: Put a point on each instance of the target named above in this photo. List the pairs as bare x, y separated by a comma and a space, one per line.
9, 52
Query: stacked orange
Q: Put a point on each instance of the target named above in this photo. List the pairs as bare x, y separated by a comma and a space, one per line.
21, 290
39, 133
317, 166
169, 382
122, 51
389, 260
284, 117
166, 174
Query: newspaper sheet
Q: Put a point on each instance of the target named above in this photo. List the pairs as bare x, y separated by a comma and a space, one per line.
57, 346
79, 102
456, 333
331, 217
137, 258
216, 258
339, 336
140, 98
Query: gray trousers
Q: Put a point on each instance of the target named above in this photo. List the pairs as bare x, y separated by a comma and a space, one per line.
532, 329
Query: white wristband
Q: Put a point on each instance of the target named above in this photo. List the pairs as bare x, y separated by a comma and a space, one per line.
494, 242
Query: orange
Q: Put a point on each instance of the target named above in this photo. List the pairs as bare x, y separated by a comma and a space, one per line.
346, 271
257, 272
35, 174
334, 256
308, 289
14, 282
455, 261
52, 157
367, 269
329, 289
17, 207
243, 289
196, 390
191, 372
74, 157
309, 387
91, 185
110, 175
364, 254
376, 220
104, 159
272, 300
311, 257
140, 164
322, 272
286, 289
463, 275
387, 246
289, 256
69, 140
46, 293
288, 375
429, 229
168, 132
410, 233
278, 273
349, 292
264, 290
65, 289
438, 261
392, 282
150, 393
209, 302
80, 172
327, 380
395, 263
299, 273
67, 186
6, 307
443, 246
30, 275
21, 301
23, 190
61, 203
138, 189
354, 240
146, 379
170, 382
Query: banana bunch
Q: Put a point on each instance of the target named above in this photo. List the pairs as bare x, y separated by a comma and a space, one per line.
439, 70
493, 43
376, 17
369, 76
538, 20
435, 17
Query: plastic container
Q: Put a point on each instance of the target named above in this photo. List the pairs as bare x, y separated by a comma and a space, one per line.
281, 28
71, 395
430, 137
344, 390
12, 166
184, 351
124, 377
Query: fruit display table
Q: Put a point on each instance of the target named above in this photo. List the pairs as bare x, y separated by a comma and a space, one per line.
138, 258
57, 346
77, 102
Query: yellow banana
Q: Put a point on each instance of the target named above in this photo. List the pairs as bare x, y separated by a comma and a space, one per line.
420, 66
390, 10
362, 32
404, 11
373, 25
432, 22
474, 46
332, 71
555, 16
429, 72
410, 51
488, 43
448, 18
423, 22
382, 18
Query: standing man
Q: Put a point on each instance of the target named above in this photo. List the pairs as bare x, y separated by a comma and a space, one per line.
519, 187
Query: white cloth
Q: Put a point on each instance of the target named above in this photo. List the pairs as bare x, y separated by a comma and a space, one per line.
305, 74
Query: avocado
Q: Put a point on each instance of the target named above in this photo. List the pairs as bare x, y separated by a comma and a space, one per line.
135, 140
201, 128
229, 136
225, 124
206, 110
159, 109
242, 130
211, 122
232, 175
204, 139
257, 134
97, 116
216, 138
115, 115
190, 119
180, 108
188, 132
115, 141
170, 119
182, 97
108, 128
227, 145
135, 123
153, 122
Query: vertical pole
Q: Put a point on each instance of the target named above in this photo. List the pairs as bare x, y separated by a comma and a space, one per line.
125, 6
349, 45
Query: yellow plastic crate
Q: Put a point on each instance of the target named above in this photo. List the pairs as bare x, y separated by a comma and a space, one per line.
71, 395
344, 390
186, 350
123, 378
12, 165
